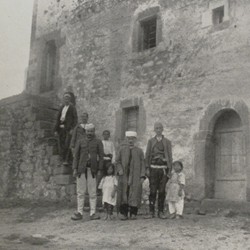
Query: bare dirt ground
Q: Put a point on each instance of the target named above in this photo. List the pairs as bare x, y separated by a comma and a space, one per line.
50, 227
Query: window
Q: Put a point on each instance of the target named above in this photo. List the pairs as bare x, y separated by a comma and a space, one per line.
148, 33
49, 67
131, 118
147, 30
218, 15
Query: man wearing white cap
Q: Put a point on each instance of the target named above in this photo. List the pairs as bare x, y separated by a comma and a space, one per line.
131, 172
65, 123
87, 164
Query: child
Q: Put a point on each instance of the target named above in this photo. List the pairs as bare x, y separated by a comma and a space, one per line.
175, 191
108, 185
109, 149
109, 154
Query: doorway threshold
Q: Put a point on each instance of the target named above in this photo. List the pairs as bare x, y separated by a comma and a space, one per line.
215, 205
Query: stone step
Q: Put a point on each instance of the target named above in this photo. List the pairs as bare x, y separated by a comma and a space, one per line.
46, 124
213, 205
71, 189
64, 179
45, 114
55, 160
44, 133
63, 170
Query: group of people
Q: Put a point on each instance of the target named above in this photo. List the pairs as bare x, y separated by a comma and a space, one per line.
121, 176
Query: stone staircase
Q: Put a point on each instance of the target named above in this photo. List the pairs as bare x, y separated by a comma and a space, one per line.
45, 112
45, 115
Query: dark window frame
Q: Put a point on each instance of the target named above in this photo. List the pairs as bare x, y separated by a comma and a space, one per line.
126, 113
148, 33
218, 15
48, 74
137, 35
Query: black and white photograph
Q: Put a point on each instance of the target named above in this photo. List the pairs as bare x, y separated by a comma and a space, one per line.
124, 124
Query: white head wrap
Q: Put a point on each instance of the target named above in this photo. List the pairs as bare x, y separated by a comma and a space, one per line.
67, 94
89, 126
131, 134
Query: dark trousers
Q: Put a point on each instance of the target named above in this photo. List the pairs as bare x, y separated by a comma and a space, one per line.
157, 182
109, 208
64, 143
125, 209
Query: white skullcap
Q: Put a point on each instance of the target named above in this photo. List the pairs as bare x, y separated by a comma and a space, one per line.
67, 94
89, 126
131, 134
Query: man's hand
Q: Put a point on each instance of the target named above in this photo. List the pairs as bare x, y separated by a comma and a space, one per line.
120, 172
113, 193
157, 157
75, 174
99, 172
148, 172
56, 133
71, 132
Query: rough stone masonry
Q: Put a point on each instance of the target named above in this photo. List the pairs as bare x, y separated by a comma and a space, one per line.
197, 69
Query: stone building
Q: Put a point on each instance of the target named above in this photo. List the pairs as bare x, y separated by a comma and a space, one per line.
131, 63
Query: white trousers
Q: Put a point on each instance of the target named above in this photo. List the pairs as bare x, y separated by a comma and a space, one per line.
176, 207
83, 185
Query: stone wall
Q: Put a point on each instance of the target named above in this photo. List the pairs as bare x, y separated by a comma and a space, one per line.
193, 64
28, 163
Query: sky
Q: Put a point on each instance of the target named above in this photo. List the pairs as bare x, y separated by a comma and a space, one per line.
15, 32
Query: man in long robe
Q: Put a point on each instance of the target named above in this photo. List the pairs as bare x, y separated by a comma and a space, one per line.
131, 174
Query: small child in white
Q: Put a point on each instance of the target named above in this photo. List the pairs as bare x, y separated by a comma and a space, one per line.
108, 185
175, 191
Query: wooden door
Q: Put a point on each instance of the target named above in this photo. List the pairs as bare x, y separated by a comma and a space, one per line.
230, 158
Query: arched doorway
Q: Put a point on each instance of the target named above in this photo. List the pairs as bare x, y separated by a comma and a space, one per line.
222, 152
230, 157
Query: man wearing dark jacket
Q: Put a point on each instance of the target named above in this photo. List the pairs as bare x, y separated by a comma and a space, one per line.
158, 168
88, 163
65, 123
79, 131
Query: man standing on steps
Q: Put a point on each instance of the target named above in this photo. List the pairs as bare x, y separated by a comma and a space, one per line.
158, 168
65, 123
87, 165
79, 131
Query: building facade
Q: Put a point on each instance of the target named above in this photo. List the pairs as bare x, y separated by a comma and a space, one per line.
131, 63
